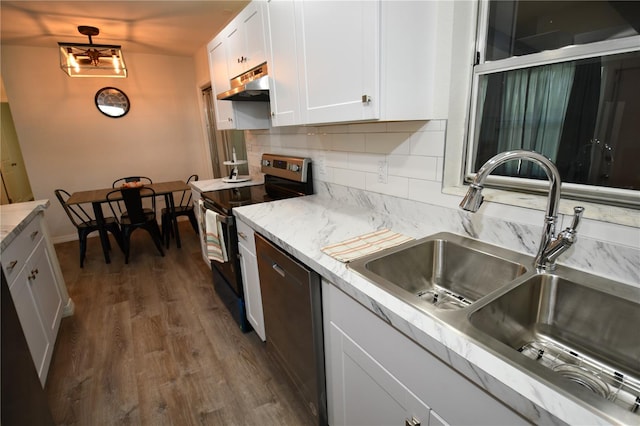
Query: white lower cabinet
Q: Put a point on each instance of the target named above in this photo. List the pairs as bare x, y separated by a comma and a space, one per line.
378, 376
250, 278
35, 291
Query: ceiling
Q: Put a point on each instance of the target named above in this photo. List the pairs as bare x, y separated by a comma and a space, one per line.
157, 27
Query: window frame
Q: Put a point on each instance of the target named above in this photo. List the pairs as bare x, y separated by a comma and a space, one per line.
598, 194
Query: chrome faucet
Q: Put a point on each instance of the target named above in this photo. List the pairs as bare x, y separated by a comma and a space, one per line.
551, 246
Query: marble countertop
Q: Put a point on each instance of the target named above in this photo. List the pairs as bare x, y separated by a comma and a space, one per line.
315, 221
14, 217
218, 184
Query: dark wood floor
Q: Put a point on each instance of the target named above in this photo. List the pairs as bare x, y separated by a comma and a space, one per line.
151, 344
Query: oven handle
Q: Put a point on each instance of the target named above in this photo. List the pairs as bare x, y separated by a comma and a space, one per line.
220, 217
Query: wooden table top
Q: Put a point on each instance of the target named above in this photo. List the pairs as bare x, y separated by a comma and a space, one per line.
100, 195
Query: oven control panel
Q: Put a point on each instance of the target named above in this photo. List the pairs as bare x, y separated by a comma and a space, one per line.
292, 168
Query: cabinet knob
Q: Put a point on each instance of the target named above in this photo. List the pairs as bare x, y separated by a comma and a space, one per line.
366, 99
242, 235
34, 234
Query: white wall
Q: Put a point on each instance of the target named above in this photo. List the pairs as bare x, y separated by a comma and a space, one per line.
67, 143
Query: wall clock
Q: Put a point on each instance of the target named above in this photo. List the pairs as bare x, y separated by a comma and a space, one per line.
112, 102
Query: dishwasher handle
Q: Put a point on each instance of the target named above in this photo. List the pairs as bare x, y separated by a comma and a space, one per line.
278, 269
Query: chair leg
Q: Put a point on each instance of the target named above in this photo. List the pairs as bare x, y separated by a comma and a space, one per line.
194, 221
166, 230
126, 243
117, 234
154, 231
82, 239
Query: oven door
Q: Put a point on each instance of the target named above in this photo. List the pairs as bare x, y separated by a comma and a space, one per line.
229, 270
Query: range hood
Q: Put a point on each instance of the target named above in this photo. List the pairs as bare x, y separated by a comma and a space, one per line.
252, 86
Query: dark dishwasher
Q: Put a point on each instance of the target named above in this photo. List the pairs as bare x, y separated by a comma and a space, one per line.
292, 305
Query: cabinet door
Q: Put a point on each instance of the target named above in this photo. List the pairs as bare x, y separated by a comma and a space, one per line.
253, 27
284, 90
252, 294
340, 60
220, 83
235, 50
245, 40
34, 332
386, 400
45, 291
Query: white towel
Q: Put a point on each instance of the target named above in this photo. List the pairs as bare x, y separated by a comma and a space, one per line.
214, 238
351, 249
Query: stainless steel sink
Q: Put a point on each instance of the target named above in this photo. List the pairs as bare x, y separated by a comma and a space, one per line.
574, 331
580, 330
443, 271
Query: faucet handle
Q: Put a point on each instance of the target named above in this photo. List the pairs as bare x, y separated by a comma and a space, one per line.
577, 215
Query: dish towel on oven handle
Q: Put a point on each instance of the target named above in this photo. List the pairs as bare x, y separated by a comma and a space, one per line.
214, 238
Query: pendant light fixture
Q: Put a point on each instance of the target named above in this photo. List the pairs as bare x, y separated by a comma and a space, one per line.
92, 60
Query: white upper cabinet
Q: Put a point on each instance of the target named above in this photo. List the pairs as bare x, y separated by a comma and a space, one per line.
229, 114
282, 55
245, 40
220, 83
346, 61
339, 60
368, 60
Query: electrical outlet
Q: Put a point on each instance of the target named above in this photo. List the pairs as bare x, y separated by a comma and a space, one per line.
383, 169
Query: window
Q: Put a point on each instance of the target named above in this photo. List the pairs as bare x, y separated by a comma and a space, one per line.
561, 78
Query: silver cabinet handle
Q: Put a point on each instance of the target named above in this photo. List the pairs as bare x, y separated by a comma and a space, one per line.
412, 422
34, 234
242, 235
278, 269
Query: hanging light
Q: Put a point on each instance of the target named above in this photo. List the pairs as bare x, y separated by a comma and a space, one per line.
92, 60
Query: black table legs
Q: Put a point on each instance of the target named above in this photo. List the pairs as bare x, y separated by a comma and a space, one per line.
104, 237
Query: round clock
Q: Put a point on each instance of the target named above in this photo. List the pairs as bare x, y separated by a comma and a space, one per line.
112, 102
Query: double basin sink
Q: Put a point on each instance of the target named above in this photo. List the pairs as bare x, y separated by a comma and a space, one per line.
574, 331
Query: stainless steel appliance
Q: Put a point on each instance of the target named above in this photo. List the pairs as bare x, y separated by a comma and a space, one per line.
292, 306
252, 85
285, 177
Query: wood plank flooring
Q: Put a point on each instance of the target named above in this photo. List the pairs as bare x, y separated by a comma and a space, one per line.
150, 343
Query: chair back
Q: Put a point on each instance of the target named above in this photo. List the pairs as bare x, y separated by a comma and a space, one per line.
132, 200
119, 182
76, 213
185, 199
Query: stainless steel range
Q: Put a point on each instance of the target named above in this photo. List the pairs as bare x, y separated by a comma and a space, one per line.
285, 177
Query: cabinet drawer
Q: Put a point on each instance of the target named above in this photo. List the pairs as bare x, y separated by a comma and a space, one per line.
16, 255
245, 236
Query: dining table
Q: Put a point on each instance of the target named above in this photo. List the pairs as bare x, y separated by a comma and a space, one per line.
99, 196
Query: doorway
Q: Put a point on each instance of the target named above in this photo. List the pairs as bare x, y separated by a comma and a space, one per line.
15, 186
222, 143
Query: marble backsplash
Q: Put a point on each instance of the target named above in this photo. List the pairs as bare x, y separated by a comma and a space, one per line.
613, 261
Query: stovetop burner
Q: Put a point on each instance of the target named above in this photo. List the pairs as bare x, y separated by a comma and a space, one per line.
579, 369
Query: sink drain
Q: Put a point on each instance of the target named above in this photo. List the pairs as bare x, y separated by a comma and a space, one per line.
583, 378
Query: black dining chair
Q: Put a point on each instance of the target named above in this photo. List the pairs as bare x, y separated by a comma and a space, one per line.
130, 199
85, 224
119, 182
129, 179
183, 208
